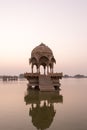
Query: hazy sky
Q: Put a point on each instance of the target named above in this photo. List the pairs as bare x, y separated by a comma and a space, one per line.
60, 24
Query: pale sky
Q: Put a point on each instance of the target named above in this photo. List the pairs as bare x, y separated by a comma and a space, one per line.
60, 24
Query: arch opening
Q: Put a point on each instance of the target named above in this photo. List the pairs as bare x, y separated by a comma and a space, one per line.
42, 70
34, 69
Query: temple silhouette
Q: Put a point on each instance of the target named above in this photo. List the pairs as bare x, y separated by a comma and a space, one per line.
41, 107
42, 55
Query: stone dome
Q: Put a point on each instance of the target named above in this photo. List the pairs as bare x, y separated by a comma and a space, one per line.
42, 55
42, 50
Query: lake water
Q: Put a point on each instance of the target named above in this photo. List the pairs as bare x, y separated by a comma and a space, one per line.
23, 110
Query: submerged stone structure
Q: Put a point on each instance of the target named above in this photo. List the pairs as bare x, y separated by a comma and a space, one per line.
43, 56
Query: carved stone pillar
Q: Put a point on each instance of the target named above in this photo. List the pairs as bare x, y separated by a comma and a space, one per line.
38, 69
47, 69
52, 68
32, 68
44, 70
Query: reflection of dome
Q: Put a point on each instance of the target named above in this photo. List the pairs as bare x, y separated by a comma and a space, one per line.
44, 112
42, 50
42, 117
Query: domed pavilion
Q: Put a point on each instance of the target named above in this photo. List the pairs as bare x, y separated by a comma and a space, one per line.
43, 56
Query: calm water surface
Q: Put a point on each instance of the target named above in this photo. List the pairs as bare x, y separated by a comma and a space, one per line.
26, 110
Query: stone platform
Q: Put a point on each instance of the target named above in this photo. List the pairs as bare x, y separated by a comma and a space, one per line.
40, 82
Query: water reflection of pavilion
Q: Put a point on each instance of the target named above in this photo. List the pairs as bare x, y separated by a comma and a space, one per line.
42, 108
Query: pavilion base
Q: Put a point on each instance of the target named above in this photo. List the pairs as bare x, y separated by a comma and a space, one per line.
40, 82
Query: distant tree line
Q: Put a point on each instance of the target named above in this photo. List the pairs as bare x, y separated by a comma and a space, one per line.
75, 76
11, 76
21, 75
64, 76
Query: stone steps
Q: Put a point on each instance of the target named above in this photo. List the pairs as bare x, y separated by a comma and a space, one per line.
45, 83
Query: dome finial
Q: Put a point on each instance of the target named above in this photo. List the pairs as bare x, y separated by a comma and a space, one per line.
42, 44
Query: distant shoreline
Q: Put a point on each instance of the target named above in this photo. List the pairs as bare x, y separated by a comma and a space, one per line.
75, 76
20, 76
